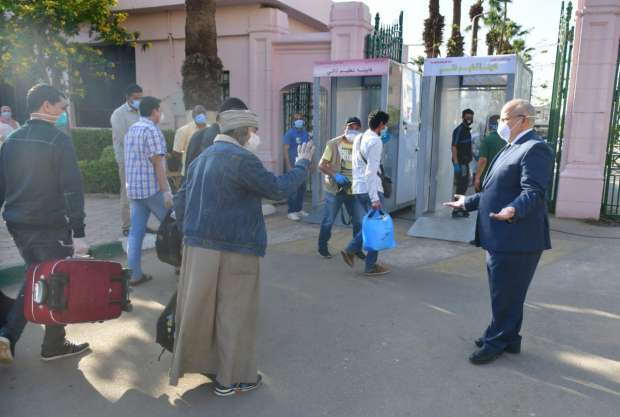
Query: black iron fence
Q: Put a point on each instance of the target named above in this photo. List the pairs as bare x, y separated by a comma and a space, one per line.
386, 41
559, 94
611, 192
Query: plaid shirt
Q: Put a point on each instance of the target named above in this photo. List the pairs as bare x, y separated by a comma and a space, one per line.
142, 141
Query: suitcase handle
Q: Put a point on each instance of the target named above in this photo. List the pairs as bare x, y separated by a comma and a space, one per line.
56, 299
124, 301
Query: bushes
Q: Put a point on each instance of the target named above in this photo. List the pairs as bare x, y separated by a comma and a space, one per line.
95, 154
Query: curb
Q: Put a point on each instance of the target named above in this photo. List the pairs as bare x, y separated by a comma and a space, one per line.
14, 274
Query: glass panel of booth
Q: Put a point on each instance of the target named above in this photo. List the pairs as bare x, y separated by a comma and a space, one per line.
457, 94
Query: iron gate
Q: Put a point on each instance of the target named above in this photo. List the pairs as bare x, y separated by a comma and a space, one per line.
559, 94
611, 192
297, 99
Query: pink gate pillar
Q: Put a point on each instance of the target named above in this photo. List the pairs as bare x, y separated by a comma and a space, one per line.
597, 32
349, 24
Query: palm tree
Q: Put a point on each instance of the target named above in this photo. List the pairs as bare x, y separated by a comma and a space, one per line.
455, 44
202, 68
475, 13
433, 30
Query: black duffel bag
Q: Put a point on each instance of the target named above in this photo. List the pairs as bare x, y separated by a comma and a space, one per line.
169, 242
166, 325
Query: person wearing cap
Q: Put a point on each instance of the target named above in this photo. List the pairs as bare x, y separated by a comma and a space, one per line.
184, 133
219, 210
337, 165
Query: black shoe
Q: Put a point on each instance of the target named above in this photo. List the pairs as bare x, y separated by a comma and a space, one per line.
324, 253
348, 257
361, 255
514, 348
66, 350
484, 356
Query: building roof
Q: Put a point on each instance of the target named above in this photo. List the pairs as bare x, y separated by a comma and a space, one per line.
314, 13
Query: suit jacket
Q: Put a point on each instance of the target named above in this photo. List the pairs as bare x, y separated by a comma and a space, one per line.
518, 177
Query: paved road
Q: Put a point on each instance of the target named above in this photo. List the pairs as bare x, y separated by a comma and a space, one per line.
335, 343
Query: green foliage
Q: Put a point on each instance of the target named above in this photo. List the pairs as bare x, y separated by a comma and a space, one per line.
95, 154
504, 35
89, 143
38, 40
100, 176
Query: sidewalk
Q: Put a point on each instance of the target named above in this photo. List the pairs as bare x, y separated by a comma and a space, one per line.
335, 343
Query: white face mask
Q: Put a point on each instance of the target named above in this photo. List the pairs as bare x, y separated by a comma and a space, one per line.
351, 135
503, 130
253, 143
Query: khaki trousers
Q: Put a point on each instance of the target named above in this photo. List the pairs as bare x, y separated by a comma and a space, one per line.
125, 217
216, 316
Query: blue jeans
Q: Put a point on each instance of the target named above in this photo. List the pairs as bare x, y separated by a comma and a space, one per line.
36, 246
333, 204
296, 200
140, 212
363, 206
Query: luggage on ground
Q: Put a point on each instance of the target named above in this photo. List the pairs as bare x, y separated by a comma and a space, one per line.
166, 325
73, 290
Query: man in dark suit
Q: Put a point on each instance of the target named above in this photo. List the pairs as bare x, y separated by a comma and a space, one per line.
512, 225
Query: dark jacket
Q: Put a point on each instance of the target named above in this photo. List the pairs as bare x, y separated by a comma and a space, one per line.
40, 181
518, 177
200, 141
219, 206
461, 138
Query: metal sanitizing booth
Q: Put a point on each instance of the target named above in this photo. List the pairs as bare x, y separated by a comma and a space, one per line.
355, 88
449, 86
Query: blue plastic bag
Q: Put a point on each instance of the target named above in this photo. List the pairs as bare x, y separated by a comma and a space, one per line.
378, 231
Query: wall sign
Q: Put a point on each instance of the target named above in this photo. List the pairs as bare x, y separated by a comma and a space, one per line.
470, 65
352, 68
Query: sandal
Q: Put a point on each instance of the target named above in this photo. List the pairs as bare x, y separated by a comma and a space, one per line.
144, 278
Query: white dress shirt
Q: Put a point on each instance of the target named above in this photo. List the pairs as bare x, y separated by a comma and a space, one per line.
366, 175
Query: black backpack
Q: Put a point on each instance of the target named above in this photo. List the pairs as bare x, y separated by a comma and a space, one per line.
166, 326
169, 241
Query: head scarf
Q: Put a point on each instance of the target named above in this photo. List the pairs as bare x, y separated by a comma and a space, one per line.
233, 119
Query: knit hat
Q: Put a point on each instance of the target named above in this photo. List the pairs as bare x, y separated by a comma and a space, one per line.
233, 119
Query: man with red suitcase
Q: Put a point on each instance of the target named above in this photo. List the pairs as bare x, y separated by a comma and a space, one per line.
41, 189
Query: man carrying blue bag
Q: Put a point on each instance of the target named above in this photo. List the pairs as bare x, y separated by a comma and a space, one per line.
378, 231
367, 188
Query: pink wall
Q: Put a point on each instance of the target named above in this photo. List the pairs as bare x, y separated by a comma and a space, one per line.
595, 51
264, 49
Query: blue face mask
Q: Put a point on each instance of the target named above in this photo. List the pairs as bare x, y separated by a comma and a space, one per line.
201, 119
7, 114
299, 124
386, 136
62, 120
135, 104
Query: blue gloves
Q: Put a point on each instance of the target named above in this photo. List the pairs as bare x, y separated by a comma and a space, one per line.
457, 168
340, 179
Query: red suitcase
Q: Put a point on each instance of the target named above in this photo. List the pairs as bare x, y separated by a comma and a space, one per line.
75, 291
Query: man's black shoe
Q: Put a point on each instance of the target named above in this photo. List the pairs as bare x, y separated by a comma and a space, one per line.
324, 253
484, 356
514, 348
66, 350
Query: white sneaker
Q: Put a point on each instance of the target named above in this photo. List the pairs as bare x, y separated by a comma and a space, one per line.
294, 217
303, 213
6, 357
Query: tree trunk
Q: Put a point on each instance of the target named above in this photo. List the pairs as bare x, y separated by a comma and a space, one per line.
476, 12
474, 40
455, 44
433, 30
202, 67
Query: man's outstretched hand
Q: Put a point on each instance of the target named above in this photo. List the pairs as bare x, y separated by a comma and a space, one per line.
458, 203
507, 214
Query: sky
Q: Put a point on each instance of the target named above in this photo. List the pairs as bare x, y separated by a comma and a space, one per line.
541, 16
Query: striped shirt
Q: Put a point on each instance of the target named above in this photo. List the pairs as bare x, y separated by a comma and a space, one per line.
143, 141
